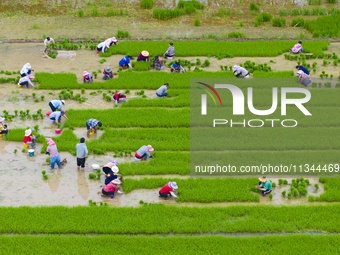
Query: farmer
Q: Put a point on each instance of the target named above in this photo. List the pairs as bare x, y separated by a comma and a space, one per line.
26, 80
88, 78
47, 42
302, 68
111, 41
304, 78
102, 47
29, 139
176, 67
26, 70
119, 95
92, 124
110, 188
81, 154
54, 154
55, 117
3, 127
56, 104
143, 56
113, 165
112, 174
161, 92
264, 185
297, 48
240, 72
124, 63
170, 53
168, 189
143, 153
158, 63
107, 73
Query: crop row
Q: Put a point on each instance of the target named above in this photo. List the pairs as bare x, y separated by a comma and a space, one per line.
214, 48
332, 190
146, 219
47, 244
201, 189
328, 26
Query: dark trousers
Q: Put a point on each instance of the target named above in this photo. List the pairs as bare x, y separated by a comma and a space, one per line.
25, 84
163, 195
107, 193
52, 107
4, 132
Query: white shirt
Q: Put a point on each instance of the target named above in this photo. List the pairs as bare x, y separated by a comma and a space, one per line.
25, 68
102, 45
23, 79
241, 70
46, 42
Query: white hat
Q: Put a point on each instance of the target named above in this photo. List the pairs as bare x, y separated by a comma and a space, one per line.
115, 169
113, 39
28, 132
2, 119
116, 181
300, 72
173, 185
145, 53
63, 101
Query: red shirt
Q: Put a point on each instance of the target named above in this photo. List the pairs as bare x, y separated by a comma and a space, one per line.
166, 189
110, 187
27, 139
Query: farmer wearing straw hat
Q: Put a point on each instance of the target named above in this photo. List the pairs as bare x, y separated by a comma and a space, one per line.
81, 154
55, 117
124, 63
54, 154
107, 73
118, 95
264, 185
29, 139
102, 47
3, 127
111, 41
26, 80
110, 188
143, 56
88, 78
56, 104
168, 189
112, 174
26, 70
143, 153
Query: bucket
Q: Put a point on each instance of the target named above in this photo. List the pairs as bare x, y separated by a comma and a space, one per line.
48, 113
26, 145
95, 166
170, 58
90, 133
31, 152
57, 131
1, 135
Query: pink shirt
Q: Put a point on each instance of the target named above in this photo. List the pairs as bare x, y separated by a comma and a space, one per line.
110, 187
297, 47
52, 149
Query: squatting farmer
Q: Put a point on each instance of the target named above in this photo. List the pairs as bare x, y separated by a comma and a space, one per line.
143, 56
55, 117
26, 70
88, 78
176, 67
240, 72
161, 92
107, 74
92, 124
119, 95
158, 63
25, 81
143, 153
170, 53
264, 185
110, 188
56, 104
168, 190
125, 63
102, 47
297, 48
47, 42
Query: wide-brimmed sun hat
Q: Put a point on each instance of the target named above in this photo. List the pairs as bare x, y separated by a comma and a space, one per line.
120, 92
2, 119
31, 76
263, 179
28, 132
115, 169
108, 69
116, 181
113, 39
149, 147
145, 53
173, 185
300, 72
63, 102
115, 162
85, 73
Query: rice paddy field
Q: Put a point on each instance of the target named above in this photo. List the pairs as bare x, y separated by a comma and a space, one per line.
61, 211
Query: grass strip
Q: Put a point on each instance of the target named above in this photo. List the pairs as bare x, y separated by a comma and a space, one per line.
162, 219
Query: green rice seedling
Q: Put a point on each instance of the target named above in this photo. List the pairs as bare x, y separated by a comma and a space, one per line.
45, 177
92, 176
315, 2
284, 193
331, 76
302, 191
23, 150
316, 186
307, 12
35, 26
279, 22
295, 12
36, 100
36, 128
197, 22
127, 91
33, 95
273, 184
146, 4
270, 196
43, 172
82, 90
48, 160
123, 34
141, 66
254, 7
297, 22
80, 13
280, 181
102, 61
15, 151
289, 195
285, 182
224, 12
283, 12
42, 97
94, 12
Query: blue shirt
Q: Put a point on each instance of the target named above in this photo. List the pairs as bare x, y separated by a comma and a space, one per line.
124, 60
55, 115
177, 66
304, 69
110, 177
92, 122
57, 103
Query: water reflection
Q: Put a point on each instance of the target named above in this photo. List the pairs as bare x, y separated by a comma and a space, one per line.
83, 186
